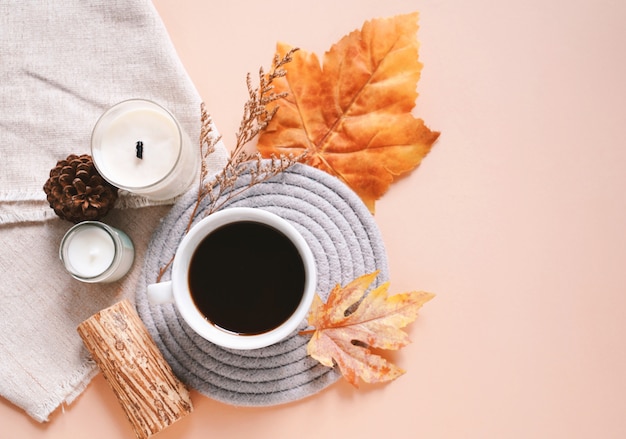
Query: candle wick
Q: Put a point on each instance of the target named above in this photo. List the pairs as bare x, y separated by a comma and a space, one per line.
139, 149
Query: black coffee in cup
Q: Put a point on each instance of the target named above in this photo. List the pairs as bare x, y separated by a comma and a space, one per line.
246, 277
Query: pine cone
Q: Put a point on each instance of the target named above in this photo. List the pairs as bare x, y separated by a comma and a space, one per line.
77, 192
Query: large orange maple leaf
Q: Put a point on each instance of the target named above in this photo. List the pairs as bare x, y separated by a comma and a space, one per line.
352, 116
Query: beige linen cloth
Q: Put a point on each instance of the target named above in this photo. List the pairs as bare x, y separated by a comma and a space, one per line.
62, 63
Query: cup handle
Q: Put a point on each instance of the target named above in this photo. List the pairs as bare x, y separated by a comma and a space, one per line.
160, 293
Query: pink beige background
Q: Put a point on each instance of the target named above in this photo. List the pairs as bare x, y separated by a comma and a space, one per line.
516, 220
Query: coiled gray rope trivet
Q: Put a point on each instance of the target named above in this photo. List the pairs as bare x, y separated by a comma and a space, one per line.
346, 243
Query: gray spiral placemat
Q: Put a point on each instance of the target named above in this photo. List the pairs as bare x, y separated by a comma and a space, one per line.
346, 243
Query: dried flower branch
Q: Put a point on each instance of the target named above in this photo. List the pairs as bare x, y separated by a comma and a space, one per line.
256, 117
208, 141
258, 169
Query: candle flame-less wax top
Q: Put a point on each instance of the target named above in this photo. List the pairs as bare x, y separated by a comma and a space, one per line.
119, 158
90, 251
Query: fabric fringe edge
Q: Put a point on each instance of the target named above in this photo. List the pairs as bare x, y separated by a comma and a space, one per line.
40, 211
30, 216
66, 392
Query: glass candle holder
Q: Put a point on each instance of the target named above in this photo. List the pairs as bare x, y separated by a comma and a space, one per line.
139, 146
92, 252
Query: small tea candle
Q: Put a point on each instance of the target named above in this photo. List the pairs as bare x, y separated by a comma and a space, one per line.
95, 252
139, 146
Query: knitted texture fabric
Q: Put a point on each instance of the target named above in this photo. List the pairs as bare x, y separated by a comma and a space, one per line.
62, 63
345, 242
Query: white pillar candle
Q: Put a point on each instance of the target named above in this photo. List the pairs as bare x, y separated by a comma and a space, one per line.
95, 252
139, 146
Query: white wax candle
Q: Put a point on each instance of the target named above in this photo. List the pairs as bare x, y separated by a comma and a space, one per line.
95, 252
90, 251
138, 146
160, 143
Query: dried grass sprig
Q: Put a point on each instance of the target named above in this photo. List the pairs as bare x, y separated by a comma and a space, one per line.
208, 142
258, 169
256, 118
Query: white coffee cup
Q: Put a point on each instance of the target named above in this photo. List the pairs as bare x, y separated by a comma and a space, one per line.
207, 231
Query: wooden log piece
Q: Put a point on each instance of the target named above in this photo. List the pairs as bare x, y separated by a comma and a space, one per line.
150, 394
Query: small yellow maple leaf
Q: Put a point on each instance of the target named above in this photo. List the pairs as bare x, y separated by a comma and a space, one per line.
352, 116
344, 336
